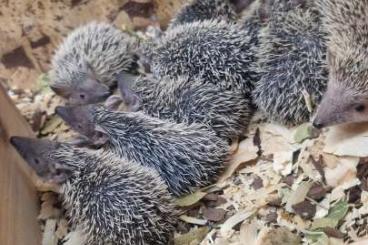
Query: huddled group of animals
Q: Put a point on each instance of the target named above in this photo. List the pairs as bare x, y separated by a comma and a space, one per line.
167, 132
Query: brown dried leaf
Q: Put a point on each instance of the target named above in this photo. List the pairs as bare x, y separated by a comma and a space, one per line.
298, 195
305, 209
257, 183
214, 214
317, 192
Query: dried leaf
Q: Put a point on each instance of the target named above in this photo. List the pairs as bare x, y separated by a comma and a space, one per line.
298, 195
304, 132
214, 214
48, 211
344, 172
305, 209
317, 192
190, 199
335, 214
361, 242
75, 238
62, 229
278, 236
192, 220
235, 219
43, 82
50, 126
194, 236
348, 140
317, 238
49, 237
282, 162
248, 232
247, 152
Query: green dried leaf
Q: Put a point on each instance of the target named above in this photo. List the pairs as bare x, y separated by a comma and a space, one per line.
335, 214
317, 238
194, 236
43, 82
191, 199
339, 210
50, 126
304, 132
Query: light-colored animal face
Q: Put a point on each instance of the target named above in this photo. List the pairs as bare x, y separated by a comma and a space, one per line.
80, 118
341, 105
39, 156
84, 87
89, 91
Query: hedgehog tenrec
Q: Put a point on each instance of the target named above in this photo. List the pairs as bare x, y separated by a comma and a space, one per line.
346, 99
111, 200
214, 51
199, 10
291, 66
189, 101
185, 156
85, 65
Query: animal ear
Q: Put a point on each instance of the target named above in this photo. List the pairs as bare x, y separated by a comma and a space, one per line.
100, 137
61, 91
113, 103
130, 98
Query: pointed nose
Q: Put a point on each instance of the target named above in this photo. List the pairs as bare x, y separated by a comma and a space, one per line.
318, 124
61, 111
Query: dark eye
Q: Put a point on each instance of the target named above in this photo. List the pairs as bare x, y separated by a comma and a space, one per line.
36, 161
82, 96
360, 108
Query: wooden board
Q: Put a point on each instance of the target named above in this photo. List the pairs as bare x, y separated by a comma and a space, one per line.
19, 205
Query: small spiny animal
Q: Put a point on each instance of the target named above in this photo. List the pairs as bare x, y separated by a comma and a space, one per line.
189, 101
85, 65
213, 51
291, 64
346, 98
199, 10
185, 156
109, 200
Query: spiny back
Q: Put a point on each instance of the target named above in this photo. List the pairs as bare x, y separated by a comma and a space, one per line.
199, 10
347, 26
115, 201
101, 47
189, 101
185, 156
291, 60
217, 52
